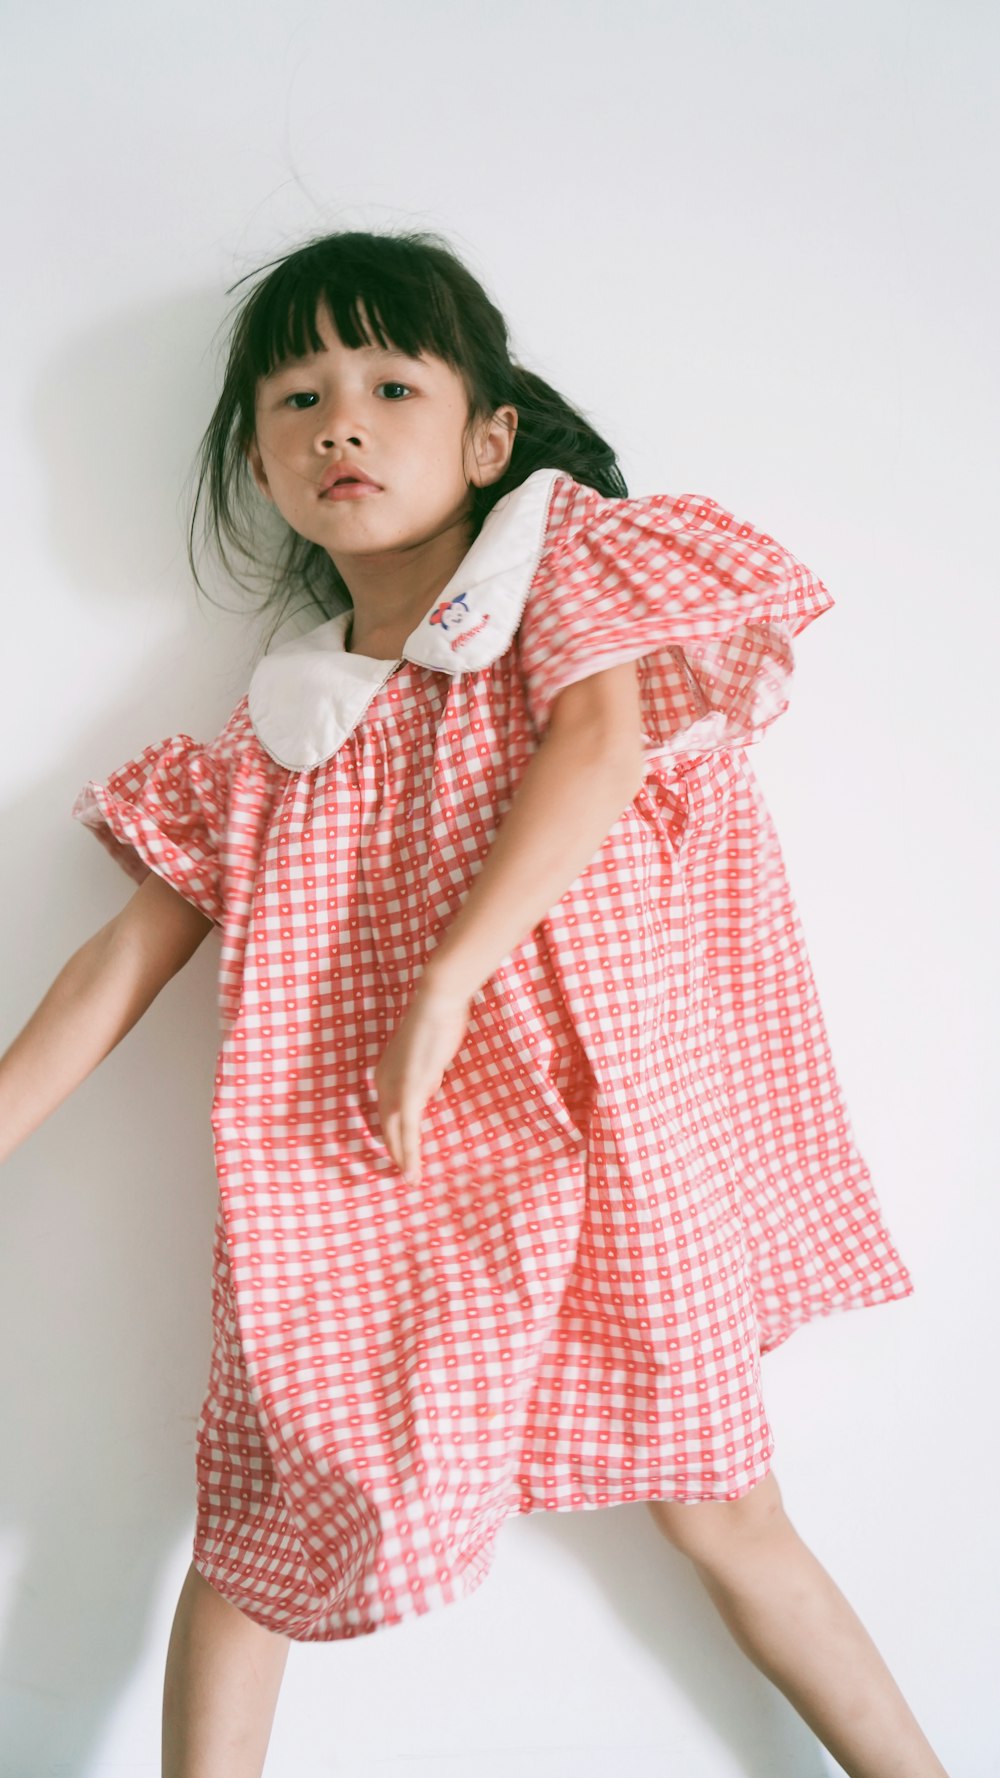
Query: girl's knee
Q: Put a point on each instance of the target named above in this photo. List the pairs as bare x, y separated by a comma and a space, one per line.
705, 1529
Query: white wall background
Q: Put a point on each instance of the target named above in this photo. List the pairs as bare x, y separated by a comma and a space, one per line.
757, 243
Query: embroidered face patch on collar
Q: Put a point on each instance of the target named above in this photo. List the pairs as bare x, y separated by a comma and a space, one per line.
306, 696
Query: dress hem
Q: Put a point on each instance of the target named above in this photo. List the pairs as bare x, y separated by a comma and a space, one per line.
465, 1582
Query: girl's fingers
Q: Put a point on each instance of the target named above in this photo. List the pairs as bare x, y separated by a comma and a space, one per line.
411, 1070
411, 1149
403, 1142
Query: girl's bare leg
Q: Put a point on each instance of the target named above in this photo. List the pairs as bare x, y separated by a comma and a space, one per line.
786, 1614
221, 1686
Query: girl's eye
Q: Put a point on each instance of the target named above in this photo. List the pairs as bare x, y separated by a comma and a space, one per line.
300, 399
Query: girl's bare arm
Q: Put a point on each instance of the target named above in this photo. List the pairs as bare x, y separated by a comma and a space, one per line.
588, 768
97, 997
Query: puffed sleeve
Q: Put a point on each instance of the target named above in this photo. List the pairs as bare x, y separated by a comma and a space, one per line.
704, 602
167, 811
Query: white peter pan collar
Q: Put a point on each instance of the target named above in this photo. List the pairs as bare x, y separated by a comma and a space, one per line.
306, 696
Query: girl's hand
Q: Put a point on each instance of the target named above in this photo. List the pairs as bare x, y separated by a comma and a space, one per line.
411, 1068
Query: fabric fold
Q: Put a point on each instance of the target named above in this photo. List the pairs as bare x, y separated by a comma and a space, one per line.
706, 603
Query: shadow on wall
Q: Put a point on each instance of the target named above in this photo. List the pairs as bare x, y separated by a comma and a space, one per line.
108, 1209
116, 420
104, 1317
653, 1594
105, 1313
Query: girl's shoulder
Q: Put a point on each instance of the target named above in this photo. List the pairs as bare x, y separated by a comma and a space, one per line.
677, 540
181, 759
575, 525
235, 740
578, 512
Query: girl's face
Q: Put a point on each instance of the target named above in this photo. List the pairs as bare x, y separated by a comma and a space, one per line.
398, 420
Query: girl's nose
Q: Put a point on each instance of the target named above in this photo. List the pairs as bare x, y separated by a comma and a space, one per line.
335, 424
326, 439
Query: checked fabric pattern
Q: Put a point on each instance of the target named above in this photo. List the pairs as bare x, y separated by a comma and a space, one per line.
638, 1173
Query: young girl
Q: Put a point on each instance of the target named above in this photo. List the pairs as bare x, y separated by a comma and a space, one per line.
528, 1138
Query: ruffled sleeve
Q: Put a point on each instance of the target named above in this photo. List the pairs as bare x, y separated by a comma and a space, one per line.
704, 602
167, 811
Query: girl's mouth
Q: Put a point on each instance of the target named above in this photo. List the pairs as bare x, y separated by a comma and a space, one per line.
350, 490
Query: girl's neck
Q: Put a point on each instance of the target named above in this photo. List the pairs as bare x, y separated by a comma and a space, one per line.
376, 647
392, 595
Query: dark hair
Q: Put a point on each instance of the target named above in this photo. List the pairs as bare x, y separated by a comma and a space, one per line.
413, 292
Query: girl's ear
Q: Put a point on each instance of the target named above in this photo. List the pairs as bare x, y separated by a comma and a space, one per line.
257, 469
494, 445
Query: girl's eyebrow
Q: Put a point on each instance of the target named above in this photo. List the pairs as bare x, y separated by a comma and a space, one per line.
291, 364
392, 352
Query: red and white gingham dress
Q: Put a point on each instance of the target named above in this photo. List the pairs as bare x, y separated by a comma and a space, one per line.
638, 1172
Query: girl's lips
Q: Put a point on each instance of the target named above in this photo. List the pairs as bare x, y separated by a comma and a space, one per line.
350, 490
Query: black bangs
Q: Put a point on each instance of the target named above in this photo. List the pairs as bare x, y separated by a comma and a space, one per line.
390, 297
